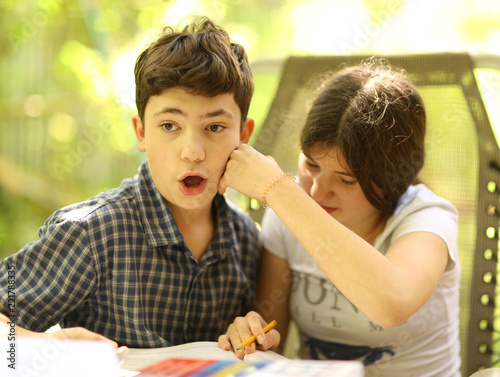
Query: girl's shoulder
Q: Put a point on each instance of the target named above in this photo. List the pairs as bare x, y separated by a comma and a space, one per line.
419, 197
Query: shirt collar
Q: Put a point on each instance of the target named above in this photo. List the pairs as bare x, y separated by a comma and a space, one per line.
225, 238
157, 220
160, 226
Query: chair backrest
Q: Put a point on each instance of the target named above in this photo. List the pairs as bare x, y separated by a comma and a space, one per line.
462, 164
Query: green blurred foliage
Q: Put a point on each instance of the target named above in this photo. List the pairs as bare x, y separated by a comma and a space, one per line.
65, 134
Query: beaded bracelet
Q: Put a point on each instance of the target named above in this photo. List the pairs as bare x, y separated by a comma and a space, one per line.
271, 185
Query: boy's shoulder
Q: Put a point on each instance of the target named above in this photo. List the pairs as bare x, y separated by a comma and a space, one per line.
133, 193
113, 200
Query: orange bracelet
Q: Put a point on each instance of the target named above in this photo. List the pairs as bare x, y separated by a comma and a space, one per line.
271, 185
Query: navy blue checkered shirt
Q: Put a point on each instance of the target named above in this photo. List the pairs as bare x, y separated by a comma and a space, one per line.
118, 265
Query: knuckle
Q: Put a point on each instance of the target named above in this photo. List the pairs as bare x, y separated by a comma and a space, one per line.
238, 321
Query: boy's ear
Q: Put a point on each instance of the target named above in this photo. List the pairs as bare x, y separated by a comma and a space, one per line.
247, 130
139, 132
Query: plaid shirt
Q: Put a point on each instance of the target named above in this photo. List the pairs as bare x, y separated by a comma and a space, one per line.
118, 265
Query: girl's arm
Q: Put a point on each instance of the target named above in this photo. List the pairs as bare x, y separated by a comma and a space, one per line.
273, 292
387, 288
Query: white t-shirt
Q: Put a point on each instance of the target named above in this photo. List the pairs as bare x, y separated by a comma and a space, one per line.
427, 344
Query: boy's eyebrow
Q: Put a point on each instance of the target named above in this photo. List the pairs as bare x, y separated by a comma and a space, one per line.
212, 114
168, 110
216, 113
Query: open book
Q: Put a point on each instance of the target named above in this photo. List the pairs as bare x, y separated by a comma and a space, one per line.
139, 358
208, 359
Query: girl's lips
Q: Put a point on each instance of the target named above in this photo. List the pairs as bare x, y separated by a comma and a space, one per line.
329, 209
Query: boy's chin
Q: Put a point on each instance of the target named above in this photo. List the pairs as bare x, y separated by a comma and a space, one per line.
198, 203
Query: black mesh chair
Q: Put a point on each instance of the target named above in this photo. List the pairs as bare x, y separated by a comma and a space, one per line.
462, 163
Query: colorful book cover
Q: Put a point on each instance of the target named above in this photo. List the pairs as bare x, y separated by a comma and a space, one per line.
176, 368
236, 368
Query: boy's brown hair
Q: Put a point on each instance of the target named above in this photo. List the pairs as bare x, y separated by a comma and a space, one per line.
200, 58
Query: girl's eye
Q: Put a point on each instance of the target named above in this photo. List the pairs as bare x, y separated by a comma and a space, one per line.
169, 126
215, 128
311, 165
348, 181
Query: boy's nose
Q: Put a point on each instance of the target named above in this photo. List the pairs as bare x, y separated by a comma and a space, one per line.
192, 150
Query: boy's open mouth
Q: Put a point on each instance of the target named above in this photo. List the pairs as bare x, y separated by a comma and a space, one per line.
192, 181
193, 184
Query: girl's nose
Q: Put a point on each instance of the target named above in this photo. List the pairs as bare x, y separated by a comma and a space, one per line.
319, 189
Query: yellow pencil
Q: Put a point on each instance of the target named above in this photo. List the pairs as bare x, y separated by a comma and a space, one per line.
269, 326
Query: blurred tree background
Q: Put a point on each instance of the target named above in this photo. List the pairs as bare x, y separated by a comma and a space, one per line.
66, 93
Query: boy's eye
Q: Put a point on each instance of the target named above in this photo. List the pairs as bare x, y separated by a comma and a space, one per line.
215, 128
169, 126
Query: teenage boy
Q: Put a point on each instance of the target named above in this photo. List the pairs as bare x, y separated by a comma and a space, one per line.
163, 259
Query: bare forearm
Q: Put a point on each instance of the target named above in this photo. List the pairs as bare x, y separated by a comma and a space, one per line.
273, 293
388, 288
6, 324
365, 276
69, 333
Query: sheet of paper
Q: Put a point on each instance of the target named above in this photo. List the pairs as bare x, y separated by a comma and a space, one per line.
43, 357
311, 368
139, 358
263, 356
